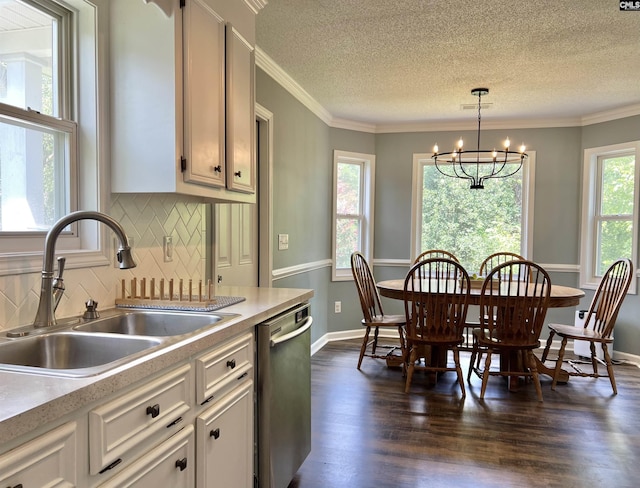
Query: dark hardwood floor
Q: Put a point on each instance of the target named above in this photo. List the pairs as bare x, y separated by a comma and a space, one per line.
368, 433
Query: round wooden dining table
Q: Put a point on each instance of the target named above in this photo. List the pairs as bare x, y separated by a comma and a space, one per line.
561, 296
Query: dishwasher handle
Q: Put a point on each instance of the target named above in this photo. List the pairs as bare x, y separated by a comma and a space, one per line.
293, 334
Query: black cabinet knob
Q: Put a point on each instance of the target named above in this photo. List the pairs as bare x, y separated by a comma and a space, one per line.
215, 433
238, 174
153, 410
231, 363
181, 464
218, 169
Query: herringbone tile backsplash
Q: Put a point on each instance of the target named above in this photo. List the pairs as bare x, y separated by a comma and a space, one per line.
147, 218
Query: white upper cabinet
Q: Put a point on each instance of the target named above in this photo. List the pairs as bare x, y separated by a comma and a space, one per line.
182, 98
204, 94
241, 120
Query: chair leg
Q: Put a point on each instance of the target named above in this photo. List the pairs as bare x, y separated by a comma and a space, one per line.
363, 348
556, 373
474, 353
375, 340
456, 360
607, 359
413, 356
545, 353
594, 361
485, 374
534, 373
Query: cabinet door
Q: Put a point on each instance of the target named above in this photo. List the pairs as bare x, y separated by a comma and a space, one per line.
49, 460
204, 92
171, 464
241, 120
224, 436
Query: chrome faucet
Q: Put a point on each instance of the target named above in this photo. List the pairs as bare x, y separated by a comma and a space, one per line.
49, 297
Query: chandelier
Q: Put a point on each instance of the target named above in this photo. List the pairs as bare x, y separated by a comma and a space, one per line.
479, 165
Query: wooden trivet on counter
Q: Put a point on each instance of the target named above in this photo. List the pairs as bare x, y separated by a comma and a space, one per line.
173, 297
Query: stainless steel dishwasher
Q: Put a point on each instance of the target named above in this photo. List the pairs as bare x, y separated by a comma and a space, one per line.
284, 396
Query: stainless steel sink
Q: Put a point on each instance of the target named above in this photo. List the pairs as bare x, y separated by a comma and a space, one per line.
72, 353
152, 323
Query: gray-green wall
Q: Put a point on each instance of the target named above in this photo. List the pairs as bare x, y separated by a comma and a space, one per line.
303, 163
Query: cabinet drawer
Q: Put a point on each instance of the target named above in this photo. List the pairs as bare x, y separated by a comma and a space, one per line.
223, 367
171, 464
123, 423
48, 460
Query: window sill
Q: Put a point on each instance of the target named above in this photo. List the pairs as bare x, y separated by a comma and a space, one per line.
16, 264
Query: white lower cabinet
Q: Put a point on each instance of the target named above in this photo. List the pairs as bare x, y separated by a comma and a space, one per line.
224, 441
171, 464
189, 425
46, 461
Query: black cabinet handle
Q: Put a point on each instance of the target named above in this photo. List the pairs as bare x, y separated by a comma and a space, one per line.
215, 433
106, 468
154, 411
238, 174
231, 363
218, 169
181, 464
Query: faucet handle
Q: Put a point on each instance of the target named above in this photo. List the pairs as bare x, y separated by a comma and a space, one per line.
91, 311
61, 262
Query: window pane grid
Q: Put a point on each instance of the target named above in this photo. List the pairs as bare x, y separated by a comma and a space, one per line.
471, 224
37, 147
352, 209
613, 217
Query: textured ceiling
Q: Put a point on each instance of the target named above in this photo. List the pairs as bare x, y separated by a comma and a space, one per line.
385, 62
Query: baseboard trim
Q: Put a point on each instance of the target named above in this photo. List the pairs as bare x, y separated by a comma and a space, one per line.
393, 334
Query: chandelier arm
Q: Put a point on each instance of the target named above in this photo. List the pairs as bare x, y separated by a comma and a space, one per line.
455, 171
499, 175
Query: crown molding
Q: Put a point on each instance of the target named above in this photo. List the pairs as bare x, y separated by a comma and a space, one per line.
353, 125
613, 114
256, 5
269, 66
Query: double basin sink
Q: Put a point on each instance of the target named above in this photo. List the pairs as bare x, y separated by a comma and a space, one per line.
97, 345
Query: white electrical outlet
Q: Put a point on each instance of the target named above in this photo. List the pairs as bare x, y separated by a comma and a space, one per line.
338, 307
283, 242
167, 249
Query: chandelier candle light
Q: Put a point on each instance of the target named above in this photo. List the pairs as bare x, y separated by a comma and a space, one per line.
479, 165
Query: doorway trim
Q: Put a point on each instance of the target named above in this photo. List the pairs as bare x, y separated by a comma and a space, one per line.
264, 134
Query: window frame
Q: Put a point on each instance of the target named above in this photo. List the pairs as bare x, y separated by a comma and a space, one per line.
528, 191
84, 243
366, 216
591, 197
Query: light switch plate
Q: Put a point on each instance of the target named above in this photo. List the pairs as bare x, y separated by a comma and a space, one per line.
167, 249
283, 242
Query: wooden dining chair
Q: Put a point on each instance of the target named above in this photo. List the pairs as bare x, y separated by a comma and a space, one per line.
435, 253
485, 267
372, 311
436, 299
498, 258
598, 325
512, 313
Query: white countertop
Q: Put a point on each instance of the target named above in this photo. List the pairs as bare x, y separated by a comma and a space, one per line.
28, 401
